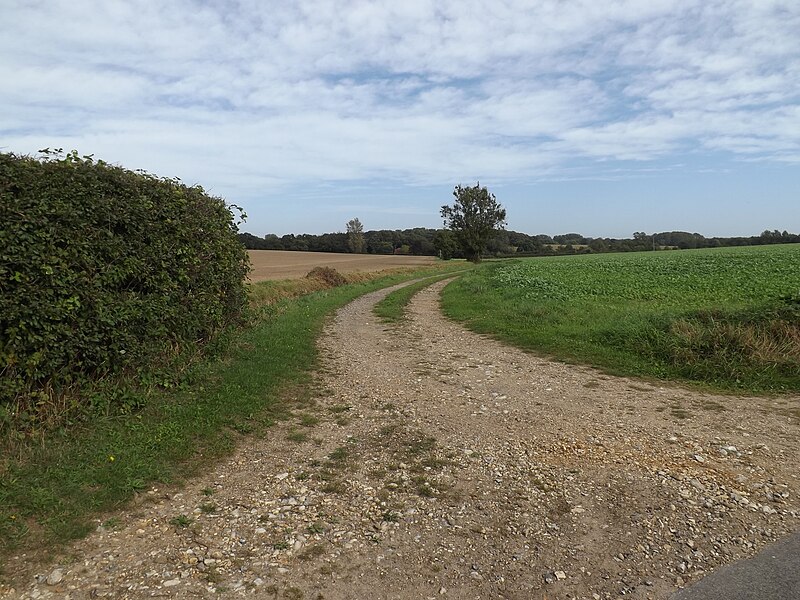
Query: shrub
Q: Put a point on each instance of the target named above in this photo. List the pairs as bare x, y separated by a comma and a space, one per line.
329, 275
103, 270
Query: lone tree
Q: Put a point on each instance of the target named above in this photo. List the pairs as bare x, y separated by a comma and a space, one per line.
355, 236
474, 217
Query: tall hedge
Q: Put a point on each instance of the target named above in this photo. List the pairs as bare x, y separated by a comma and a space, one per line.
104, 270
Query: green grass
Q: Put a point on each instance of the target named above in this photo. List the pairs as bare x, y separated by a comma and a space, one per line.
52, 488
727, 319
392, 309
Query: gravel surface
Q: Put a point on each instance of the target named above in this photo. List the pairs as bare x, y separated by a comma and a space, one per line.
437, 463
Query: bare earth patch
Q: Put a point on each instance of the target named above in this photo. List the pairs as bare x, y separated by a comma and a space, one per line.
281, 264
439, 464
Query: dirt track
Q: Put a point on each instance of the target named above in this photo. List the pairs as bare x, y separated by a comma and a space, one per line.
446, 465
281, 264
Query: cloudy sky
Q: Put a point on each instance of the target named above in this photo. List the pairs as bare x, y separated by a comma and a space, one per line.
598, 117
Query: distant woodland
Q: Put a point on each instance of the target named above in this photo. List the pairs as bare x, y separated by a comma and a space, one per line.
429, 242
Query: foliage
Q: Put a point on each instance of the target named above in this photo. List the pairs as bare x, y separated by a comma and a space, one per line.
445, 244
103, 270
473, 218
355, 236
422, 242
419, 242
726, 317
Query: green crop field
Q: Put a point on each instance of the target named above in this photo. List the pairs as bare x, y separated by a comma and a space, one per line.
727, 318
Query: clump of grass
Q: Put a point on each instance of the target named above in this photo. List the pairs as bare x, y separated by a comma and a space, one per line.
307, 420
180, 521
423, 487
316, 527
340, 455
297, 436
419, 444
334, 486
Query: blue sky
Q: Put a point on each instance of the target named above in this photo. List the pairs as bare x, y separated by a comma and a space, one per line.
597, 117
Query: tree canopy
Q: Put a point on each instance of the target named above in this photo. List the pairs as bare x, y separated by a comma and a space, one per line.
474, 218
355, 236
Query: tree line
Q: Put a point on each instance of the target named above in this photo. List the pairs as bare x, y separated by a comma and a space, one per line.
475, 228
421, 241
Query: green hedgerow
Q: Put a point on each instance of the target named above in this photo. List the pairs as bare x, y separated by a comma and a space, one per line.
103, 270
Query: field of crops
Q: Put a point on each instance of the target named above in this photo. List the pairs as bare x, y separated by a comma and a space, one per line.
727, 317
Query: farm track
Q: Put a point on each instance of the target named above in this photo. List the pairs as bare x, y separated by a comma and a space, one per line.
447, 465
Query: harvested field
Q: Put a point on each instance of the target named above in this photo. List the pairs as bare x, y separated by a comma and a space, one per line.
282, 264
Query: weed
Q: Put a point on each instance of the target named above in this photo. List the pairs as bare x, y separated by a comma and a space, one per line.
419, 445
434, 463
308, 420
207, 491
316, 527
340, 455
208, 507
297, 436
334, 486
389, 430
212, 576
423, 487
340, 408
242, 427
181, 521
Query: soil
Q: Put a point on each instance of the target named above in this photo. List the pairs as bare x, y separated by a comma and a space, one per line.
283, 264
438, 463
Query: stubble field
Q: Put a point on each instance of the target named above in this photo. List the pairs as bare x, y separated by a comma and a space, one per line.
281, 264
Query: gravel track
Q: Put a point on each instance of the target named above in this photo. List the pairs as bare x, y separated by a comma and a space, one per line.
447, 465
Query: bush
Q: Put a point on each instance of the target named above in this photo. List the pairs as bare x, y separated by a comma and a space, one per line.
329, 275
104, 270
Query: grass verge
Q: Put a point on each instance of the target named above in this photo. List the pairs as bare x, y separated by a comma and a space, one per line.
392, 308
51, 488
726, 320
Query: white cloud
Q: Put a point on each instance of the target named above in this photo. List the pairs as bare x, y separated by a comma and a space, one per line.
254, 95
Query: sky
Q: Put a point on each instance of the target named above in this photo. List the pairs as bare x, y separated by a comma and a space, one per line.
602, 118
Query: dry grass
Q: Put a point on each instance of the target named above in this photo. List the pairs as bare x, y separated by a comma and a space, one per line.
282, 264
267, 292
